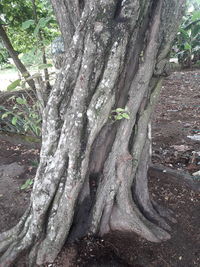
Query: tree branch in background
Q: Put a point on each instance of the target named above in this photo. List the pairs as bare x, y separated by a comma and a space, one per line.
15, 58
41, 44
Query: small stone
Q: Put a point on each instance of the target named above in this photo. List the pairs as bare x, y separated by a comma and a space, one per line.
196, 173
195, 137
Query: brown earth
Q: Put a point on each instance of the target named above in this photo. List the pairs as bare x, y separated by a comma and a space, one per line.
176, 117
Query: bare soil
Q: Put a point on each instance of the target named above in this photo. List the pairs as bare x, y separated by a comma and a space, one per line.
176, 117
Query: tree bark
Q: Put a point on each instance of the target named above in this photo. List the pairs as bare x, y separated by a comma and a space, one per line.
92, 176
177, 177
25, 74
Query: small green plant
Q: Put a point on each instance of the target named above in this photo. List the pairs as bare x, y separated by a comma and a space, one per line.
119, 114
23, 118
34, 163
27, 184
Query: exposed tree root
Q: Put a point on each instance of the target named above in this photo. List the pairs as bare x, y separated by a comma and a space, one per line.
18, 244
164, 212
179, 177
128, 218
141, 192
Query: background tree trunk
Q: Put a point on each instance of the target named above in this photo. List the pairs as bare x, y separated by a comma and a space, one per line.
41, 45
92, 176
25, 74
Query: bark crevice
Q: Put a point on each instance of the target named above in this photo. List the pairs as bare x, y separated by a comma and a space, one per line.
89, 163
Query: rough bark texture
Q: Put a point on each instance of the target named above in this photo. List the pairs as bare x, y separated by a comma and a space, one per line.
92, 176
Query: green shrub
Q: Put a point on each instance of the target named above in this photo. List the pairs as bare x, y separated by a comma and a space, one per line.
23, 118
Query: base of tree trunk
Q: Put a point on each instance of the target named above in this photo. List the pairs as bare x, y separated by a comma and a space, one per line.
114, 209
140, 215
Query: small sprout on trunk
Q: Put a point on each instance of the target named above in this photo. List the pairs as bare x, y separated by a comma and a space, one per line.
119, 114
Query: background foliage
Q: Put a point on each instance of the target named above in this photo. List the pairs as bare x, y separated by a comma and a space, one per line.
187, 44
18, 19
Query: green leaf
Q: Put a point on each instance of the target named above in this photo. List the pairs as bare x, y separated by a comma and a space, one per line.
184, 33
196, 31
126, 116
37, 28
187, 46
44, 66
38, 121
26, 24
14, 121
2, 21
41, 24
34, 163
195, 15
13, 85
21, 101
119, 110
5, 115
27, 184
118, 117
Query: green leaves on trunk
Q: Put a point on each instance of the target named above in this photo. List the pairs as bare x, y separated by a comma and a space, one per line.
119, 114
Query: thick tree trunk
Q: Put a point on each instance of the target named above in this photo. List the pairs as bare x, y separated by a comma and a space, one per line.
92, 176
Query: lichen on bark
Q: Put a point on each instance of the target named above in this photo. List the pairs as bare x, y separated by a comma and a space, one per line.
92, 169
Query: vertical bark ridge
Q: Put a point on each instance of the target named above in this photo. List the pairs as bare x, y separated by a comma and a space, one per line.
118, 173
70, 186
92, 82
141, 194
68, 15
125, 128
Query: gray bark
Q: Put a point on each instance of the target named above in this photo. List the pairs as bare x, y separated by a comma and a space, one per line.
92, 176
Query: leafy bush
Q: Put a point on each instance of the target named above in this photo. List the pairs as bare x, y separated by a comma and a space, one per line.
3, 55
31, 58
187, 44
23, 118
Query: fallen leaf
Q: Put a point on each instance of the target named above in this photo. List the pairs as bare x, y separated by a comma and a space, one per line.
181, 148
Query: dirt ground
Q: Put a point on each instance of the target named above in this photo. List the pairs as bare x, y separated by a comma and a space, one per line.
177, 116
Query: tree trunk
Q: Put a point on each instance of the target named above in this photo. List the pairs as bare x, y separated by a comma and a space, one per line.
25, 74
92, 176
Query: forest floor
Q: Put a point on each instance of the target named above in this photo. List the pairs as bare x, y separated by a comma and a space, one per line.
176, 117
